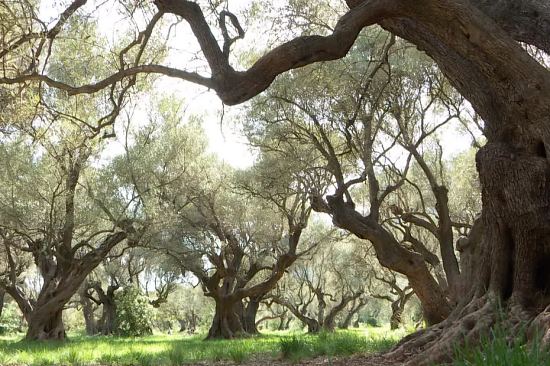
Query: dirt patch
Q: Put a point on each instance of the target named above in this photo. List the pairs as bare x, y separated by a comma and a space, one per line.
357, 360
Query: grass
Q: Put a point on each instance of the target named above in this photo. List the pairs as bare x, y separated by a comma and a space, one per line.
499, 349
341, 343
175, 350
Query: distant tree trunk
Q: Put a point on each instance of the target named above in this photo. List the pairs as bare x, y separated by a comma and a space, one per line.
347, 321
2, 296
249, 316
89, 318
183, 325
356, 308
313, 325
88, 309
329, 323
281, 323
396, 313
227, 320
107, 322
287, 324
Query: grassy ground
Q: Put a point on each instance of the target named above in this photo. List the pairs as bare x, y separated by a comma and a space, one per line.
168, 350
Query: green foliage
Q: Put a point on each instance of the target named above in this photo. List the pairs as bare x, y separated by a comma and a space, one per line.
10, 322
499, 348
133, 313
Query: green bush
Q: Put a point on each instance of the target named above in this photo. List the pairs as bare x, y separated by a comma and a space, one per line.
10, 322
134, 313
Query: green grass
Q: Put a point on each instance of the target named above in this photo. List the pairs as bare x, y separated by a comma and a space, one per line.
343, 343
499, 349
164, 350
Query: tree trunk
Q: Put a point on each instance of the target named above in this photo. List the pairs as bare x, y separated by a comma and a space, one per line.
313, 325
356, 308
284, 322
89, 318
391, 254
249, 316
227, 320
44, 317
329, 323
107, 322
46, 324
347, 321
2, 297
183, 325
287, 324
396, 313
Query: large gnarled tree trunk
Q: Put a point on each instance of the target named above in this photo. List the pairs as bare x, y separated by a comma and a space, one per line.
227, 320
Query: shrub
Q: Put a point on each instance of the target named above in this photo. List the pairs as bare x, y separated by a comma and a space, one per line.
133, 313
10, 322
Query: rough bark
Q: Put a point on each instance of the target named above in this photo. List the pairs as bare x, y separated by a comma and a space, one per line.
46, 325
227, 320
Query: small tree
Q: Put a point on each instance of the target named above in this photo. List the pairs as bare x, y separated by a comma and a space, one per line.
134, 313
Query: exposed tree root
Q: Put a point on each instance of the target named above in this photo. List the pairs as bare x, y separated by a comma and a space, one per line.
437, 344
